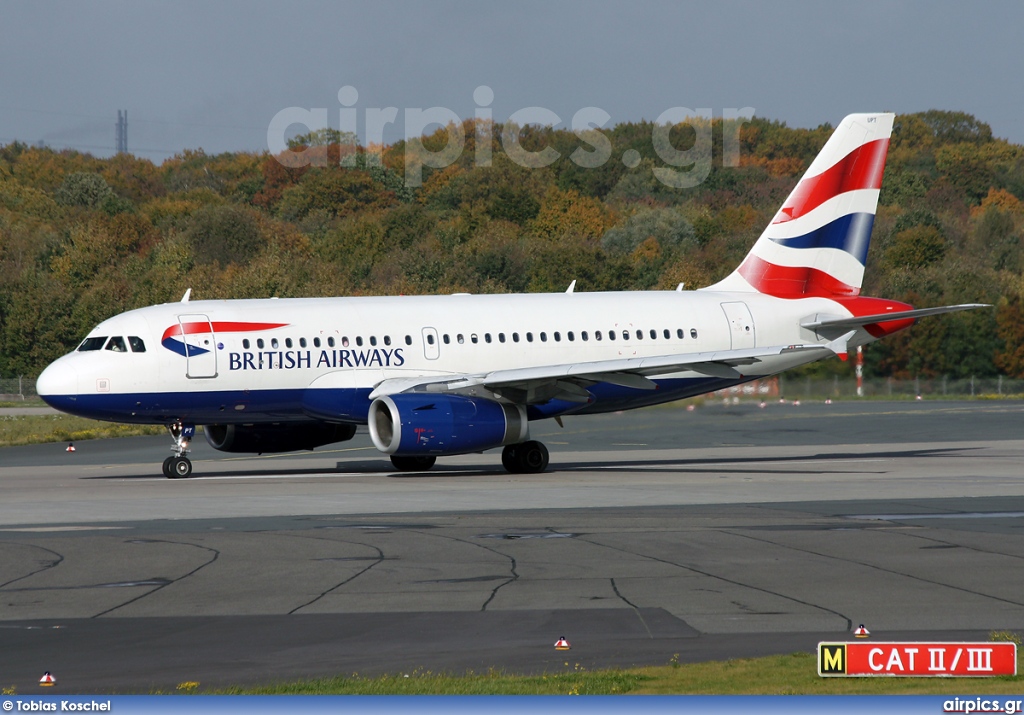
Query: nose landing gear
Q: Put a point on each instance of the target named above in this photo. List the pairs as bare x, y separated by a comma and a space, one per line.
179, 466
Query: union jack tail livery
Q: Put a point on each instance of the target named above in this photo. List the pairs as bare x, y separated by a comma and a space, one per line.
817, 244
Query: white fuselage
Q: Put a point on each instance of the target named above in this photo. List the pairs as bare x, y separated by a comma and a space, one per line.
248, 372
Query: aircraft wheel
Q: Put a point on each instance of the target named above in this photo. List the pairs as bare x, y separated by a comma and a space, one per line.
526, 458
510, 459
533, 457
180, 468
167, 468
413, 464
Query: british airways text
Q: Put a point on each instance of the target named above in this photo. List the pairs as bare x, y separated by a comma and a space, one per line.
302, 359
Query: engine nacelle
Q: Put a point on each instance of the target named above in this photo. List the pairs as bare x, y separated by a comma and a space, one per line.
417, 424
276, 436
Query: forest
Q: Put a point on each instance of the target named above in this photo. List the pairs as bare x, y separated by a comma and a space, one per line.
84, 238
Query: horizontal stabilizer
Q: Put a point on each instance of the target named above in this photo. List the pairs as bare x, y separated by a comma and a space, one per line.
862, 320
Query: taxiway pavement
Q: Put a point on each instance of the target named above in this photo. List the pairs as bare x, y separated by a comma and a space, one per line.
728, 531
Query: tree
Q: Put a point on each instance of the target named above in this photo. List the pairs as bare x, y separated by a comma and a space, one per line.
84, 189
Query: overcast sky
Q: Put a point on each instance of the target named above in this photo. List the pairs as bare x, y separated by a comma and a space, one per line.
212, 75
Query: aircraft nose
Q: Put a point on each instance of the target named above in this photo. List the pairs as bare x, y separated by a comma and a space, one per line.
58, 380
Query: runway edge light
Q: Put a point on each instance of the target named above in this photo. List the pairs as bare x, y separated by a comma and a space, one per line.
861, 632
47, 679
562, 644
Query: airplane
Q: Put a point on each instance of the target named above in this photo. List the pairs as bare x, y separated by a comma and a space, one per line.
434, 376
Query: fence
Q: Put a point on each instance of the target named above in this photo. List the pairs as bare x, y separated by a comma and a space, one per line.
17, 389
878, 387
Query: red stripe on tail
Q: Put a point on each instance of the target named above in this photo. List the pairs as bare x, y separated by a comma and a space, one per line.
792, 282
862, 168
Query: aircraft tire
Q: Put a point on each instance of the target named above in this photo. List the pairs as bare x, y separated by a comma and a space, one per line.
533, 457
180, 468
413, 464
525, 458
510, 459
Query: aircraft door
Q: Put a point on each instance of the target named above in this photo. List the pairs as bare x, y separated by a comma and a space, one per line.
431, 344
741, 325
200, 346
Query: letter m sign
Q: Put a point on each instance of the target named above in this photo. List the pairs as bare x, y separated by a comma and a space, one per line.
831, 659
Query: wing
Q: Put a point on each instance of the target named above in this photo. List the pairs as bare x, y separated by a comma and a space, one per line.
530, 385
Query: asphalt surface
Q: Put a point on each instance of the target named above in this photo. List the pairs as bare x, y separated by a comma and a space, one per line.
723, 532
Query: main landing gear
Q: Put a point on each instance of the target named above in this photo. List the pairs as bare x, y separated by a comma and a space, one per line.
525, 458
179, 466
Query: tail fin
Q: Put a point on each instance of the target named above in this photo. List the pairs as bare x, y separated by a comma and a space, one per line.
818, 241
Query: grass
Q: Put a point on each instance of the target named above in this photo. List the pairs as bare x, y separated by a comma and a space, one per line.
794, 674
38, 429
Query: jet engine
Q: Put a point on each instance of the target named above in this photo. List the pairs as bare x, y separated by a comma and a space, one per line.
276, 436
416, 424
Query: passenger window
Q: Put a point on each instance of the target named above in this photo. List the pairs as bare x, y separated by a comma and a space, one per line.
446, 339
302, 342
136, 344
408, 340
679, 333
316, 342
639, 335
90, 344
287, 342
543, 337
558, 337
474, 338
387, 339
515, 337
330, 342
571, 336
501, 337
667, 334
359, 340
259, 343
430, 339
373, 340
584, 336
654, 334
460, 338
529, 337
344, 341
116, 344
611, 335
598, 335
245, 343
487, 337
625, 335
693, 333
274, 343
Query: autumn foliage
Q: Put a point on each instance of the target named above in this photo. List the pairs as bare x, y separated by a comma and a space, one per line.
83, 238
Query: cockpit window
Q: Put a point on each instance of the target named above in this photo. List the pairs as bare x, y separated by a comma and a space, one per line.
116, 344
137, 345
92, 344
